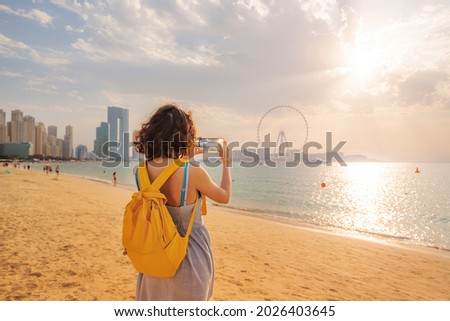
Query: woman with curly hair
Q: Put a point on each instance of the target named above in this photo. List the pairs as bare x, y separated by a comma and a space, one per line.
170, 134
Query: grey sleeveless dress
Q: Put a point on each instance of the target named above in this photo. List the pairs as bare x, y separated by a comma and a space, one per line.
194, 279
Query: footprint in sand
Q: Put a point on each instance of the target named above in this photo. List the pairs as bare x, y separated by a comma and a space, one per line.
70, 284
237, 283
71, 273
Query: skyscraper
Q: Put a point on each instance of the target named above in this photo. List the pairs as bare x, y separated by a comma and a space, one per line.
52, 131
81, 152
118, 126
3, 132
68, 142
29, 132
40, 139
16, 127
59, 147
101, 137
2, 117
16, 115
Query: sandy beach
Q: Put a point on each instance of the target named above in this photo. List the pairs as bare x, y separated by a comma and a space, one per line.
61, 240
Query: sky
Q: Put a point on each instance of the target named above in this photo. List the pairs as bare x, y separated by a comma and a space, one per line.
374, 73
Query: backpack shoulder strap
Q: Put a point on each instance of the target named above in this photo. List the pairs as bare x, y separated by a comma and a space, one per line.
144, 181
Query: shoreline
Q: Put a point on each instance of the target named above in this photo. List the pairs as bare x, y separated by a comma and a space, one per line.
61, 240
284, 218
391, 240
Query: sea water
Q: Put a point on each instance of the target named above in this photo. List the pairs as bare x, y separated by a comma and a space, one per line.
385, 200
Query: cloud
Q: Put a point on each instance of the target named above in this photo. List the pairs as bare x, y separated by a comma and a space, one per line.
11, 48
255, 8
422, 88
319, 9
42, 85
131, 31
71, 29
351, 23
34, 14
411, 62
193, 32
75, 94
11, 74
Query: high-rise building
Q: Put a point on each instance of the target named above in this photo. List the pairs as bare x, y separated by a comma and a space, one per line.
4, 138
16, 127
68, 142
40, 139
101, 137
2, 117
3, 131
52, 131
59, 147
118, 127
25, 129
29, 131
81, 152
16, 115
53, 149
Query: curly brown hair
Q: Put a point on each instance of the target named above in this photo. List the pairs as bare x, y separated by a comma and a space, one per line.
169, 133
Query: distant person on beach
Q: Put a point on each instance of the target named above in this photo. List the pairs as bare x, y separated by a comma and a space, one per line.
57, 171
115, 178
194, 278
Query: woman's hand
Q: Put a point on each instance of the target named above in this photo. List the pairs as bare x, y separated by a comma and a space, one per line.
224, 154
220, 194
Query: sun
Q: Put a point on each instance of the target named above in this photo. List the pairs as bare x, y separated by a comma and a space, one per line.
364, 60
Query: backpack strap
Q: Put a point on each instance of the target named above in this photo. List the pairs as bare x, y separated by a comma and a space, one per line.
204, 210
144, 181
191, 221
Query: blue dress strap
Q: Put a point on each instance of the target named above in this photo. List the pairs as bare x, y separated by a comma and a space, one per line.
136, 176
184, 187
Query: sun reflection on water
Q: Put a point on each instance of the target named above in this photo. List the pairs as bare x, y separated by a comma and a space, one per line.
367, 188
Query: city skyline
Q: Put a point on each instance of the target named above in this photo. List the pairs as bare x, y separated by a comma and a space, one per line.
43, 140
376, 74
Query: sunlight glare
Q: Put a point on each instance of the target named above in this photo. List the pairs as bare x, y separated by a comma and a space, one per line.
364, 61
365, 185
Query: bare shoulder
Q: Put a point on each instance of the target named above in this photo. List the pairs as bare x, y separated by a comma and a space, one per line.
197, 171
195, 167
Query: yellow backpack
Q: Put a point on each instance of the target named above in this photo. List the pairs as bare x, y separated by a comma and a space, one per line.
149, 235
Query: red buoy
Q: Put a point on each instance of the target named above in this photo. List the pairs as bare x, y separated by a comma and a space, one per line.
323, 185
